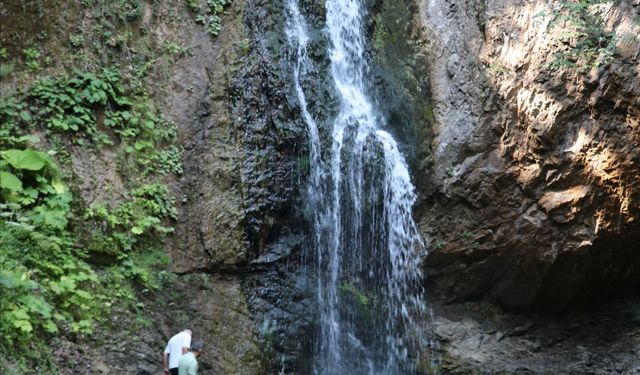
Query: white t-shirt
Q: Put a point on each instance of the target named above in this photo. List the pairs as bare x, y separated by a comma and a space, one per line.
174, 347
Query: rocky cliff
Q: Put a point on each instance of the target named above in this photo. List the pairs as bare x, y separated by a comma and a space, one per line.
533, 197
524, 144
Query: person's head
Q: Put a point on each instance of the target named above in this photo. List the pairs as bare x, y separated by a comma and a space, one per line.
196, 348
188, 331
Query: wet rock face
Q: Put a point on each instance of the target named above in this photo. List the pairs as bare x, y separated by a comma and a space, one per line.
281, 294
273, 140
534, 197
245, 166
242, 144
209, 194
399, 68
279, 291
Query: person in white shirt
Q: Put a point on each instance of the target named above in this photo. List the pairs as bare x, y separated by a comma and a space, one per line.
176, 347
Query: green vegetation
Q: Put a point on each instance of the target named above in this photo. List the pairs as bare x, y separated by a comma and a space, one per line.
267, 332
209, 15
33, 58
46, 278
358, 295
118, 229
380, 35
89, 107
587, 42
6, 68
450, 170
175, 49
80, 93
43, 278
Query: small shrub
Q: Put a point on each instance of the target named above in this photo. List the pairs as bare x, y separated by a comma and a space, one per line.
587, 43
211, 15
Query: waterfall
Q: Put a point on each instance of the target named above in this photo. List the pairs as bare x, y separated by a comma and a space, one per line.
366, 245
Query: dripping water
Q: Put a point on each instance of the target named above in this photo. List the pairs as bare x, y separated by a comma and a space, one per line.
365, 243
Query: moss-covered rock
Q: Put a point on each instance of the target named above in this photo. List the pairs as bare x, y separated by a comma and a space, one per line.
401, 72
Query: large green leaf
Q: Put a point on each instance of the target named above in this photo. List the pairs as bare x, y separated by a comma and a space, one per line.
50, 326
54, 218
15, 278
10, 181
58, 186
26, 159
24, 325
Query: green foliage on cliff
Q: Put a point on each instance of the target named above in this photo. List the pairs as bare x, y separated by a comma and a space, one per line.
48, 282
89, 107
380, 35
78, 93
209, 15
351, 290
587, 42
119, 229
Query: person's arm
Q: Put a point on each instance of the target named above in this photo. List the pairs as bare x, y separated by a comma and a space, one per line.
165, 359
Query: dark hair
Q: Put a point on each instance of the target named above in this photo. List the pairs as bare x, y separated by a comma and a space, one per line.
198, 345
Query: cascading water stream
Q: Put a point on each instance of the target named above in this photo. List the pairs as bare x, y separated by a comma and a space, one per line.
365, 242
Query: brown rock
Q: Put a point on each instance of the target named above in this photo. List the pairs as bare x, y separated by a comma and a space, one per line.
566, 200
564, 205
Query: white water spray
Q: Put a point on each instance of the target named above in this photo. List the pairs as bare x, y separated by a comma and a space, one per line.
366, 243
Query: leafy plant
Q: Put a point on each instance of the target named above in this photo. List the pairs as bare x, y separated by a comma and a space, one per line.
214, 25
68, 104
47, 285
359, 296
175, 49
6, 69
76, 40
496, 69
32, 58
120, 228
211, 15
92, 105
44, 280
194, 5
380, 35
55, 276
587, 42
267, 331
129, 10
